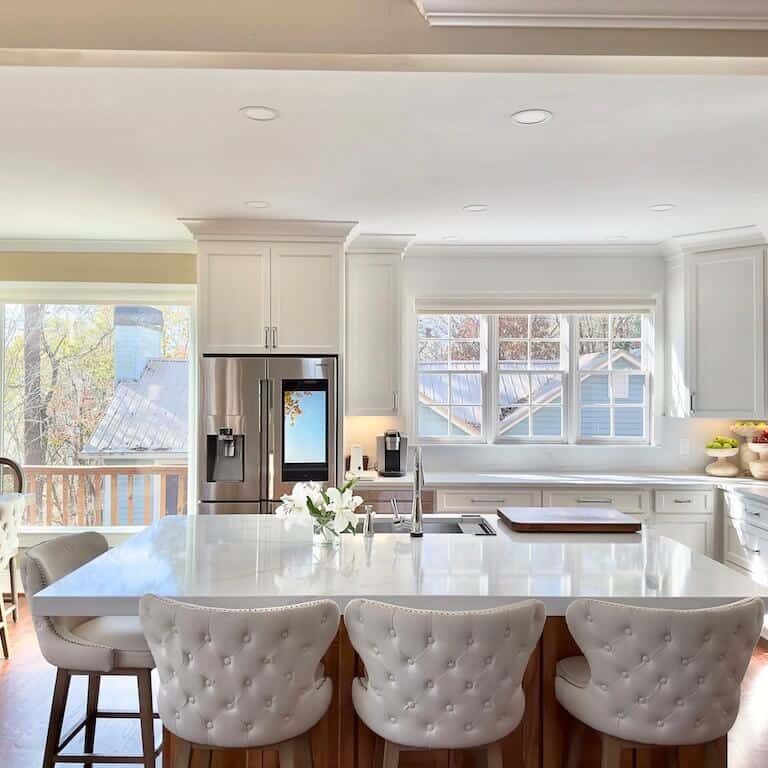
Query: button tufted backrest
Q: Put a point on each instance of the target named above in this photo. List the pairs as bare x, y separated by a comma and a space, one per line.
11, 510
240, 678
664, 676
442, 679
41, 566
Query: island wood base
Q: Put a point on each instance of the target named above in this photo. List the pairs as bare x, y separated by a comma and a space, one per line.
341, 740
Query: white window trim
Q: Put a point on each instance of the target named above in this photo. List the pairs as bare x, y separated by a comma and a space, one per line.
53, 292
566, 304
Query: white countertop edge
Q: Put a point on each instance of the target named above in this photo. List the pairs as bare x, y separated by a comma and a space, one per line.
555, 606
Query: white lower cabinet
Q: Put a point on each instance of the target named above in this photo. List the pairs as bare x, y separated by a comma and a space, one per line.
745, 536
486, 500
695, 531
631, 502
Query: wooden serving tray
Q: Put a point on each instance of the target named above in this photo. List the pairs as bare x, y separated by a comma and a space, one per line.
568, 520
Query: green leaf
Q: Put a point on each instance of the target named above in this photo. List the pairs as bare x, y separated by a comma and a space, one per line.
351, 483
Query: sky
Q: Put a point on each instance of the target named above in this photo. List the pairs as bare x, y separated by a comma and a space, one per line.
305, 438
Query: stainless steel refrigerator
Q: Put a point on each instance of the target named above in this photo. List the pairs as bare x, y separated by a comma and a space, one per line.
266, 424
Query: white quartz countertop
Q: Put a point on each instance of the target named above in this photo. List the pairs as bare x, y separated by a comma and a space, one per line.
251, 560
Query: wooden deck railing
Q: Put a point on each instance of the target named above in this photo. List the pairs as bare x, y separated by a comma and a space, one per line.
103, 495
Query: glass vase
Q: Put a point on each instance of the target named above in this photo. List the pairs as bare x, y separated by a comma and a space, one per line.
323, 534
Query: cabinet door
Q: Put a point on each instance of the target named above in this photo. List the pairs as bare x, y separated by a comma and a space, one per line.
725, 329
234, 296
305, 298
373, 335
486, 500
695, 531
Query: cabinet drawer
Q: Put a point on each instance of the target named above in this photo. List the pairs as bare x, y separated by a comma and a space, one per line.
632, 502
737, 507
486, 500
747, 547
684, 502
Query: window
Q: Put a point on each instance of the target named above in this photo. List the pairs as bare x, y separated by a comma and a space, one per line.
534, 377
452, 366
95, 407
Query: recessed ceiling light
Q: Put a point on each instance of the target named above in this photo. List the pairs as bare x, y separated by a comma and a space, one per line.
259, 113
532, 116
257, 203
662, 207
476, 208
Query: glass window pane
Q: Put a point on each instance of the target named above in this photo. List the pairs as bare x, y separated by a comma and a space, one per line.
433, 326
513, 354
465, 421
627, 326
433, 388
433, 354
547, 422
433, 420
466, 389
594, 389
547, 390
629, 422
545, 326
593, 355
465, 354
513, 326
628, 388
593, 326
626, 354
595, 422
514, 422
465, 326
513, 389
545, 354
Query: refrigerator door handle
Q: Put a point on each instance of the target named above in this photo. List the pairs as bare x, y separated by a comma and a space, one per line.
269, 467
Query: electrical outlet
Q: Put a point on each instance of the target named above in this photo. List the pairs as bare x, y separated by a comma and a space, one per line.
685, 446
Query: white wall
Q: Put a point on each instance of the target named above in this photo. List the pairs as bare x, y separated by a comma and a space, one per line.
458, 271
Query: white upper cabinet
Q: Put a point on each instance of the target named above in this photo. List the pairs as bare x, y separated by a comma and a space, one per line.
716, 333
373, 324
270, 286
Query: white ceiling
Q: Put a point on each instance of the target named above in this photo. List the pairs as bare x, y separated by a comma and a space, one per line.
124, 153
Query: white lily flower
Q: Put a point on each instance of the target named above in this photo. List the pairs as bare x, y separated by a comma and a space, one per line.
343, 506
295, 503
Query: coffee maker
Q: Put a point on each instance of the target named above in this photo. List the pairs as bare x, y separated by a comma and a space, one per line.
392, 453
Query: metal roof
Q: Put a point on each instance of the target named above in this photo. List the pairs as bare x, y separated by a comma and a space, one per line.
150, 414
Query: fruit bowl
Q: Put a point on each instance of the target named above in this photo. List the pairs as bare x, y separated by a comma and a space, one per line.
724, 453
759, 469
759, 448
722, 467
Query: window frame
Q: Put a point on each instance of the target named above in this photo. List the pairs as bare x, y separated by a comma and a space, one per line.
571, 406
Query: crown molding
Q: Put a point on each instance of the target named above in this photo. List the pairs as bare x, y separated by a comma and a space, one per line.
25, 245
475, 251
269, 229
643, 14
380, 243
713, 240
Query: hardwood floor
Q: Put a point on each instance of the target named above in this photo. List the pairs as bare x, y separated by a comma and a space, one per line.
26, 684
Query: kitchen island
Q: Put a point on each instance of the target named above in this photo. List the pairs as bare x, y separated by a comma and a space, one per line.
256, 561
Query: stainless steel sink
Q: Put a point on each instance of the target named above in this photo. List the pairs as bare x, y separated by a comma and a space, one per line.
468, 525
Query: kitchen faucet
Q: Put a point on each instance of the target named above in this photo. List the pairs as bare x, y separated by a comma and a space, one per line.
417, 513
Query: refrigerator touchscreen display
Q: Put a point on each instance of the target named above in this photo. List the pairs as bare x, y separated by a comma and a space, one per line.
305, 429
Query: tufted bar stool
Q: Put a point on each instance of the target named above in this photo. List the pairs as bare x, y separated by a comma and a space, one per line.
241, 679
11, 510
654, 677
439, 679
105, 645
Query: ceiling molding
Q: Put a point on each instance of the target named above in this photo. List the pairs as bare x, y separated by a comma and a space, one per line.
643, 14
380, 243
713, 240
28, 245
269, 229
475, 251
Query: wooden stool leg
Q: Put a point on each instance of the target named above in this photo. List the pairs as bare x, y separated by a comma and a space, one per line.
575, 744
611, 757
4, 631
56, 721
495, 757
91, 708
716, 753
182, 753
391, 755
673, 757
378, 752
304, 751
144, 679
13, 572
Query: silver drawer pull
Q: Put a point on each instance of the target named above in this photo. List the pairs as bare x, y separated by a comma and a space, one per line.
683, 501
753, 513
487, 501
595, 501
753, 551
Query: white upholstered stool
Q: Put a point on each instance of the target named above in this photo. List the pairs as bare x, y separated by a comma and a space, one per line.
105, 645
442, 680
241, 679
652, 677
11, 510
